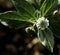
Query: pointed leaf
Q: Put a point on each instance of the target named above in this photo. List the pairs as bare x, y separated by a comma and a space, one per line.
24, 8
48, 6
14, 20
13, 15
46, 38
13, 23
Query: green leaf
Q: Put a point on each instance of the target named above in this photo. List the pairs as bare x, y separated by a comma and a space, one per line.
13, 23
25, 13
48, 6
37, 3
13, 15
14, 20
24, 8
46, 38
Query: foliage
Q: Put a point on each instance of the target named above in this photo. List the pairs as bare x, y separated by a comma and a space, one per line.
29, 11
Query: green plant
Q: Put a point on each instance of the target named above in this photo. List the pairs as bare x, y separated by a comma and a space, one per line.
37, 13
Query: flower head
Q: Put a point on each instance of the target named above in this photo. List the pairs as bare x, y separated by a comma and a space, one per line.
42, 23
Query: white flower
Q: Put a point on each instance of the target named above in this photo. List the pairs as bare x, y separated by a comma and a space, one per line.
42, 23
